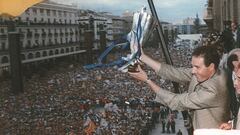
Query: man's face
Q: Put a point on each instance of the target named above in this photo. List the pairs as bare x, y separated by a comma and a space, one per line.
236, 80
199, 69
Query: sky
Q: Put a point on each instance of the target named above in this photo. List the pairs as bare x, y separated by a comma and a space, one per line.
173, 11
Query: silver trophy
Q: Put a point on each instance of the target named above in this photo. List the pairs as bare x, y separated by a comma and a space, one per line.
142, 26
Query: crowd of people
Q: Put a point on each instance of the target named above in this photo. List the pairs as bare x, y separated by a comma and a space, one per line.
68, 99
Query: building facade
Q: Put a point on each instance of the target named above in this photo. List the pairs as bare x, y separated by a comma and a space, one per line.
47, 30
218, 13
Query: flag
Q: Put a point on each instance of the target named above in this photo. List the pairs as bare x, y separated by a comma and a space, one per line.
15, 8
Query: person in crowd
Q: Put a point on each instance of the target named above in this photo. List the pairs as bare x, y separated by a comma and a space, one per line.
227, 38
172, 121
236, 34
168, 126
231, 36
188, 125
163, 121
179, 132
206, 95
233, 69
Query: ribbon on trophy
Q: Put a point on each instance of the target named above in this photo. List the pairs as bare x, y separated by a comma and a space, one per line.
143, 23
142, 26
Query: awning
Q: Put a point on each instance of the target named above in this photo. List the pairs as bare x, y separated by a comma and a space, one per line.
15, 8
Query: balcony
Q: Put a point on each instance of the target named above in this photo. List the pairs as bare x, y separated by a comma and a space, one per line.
208, 14
44, 34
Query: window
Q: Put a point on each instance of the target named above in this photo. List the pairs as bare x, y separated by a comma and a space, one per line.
50, 42
36, 42
43, 42
3, 47
42, 11
54, 13
44, 53
30, 56
34, 10
60, 13
38, 54
35, 20
48, 12
2, 30
50, 52
28, 44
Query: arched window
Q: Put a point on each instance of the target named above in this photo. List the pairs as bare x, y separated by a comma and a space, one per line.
56, 51
62, 50
38, 54
30, 56
50, 52
67, 50
44, 53
72, 49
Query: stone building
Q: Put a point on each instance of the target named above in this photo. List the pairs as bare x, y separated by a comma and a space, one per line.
220, 12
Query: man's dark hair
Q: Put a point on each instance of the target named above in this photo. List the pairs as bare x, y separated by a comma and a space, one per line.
209, 54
